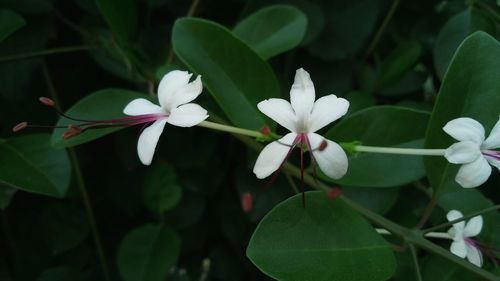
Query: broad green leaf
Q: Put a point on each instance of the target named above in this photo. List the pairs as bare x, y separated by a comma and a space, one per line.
379, 200
6, 195
454, 32
121, 16
272, 30
470, 89
398, 62
234, 74
437, 268
389, 126
162, 191
148, 252
100, 105
29, 163
10, 21
327, 240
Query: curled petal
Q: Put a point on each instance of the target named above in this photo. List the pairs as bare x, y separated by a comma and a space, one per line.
326, 110
142, 106
459, 248
474, 255
473, 226
280, 111
273, 154
473, 174
302, 94
170, 87
187, 115
462, 152
465, 129
148, 140
332, 160
493, 140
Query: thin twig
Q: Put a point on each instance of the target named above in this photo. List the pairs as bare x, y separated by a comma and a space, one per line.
382, 28
415, 262
45, 53
450, 223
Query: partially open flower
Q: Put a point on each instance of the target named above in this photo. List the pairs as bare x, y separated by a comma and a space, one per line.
461, 233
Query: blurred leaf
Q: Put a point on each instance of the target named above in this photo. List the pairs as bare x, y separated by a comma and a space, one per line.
272, 30
100, 105
31, 164
398, 63
188, 212
412, 81
437, 268
454, 32
470, 89
376, 199
148, 252
213, 52
382, 126
6, 195
121, 16
324, 241
162, 191
359, 100
28, 6
10, 21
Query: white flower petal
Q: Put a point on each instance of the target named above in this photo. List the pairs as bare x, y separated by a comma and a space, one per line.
493, 140
473, 226
332, 160
474, 255
148, 140
280, 111
465, 129
273, 154
302, 94
459, 226
187, 115
462, 152
459, 248
326, 110
473, 174
142, 106
493, 161
169, 85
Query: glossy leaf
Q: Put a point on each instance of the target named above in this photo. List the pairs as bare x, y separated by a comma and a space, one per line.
162, 191
10, 21
382, 126
470, 89
272, 30
148, 252
398, 62
236, 89
327, 240
100, 105
29, 163
121, 16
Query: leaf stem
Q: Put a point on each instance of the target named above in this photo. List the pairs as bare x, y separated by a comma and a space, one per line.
60, 50
231, 129
415, 262
450, 223
395, 150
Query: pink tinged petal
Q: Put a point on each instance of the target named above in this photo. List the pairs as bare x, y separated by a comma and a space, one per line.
142, 106
273, 154
462, 152
457, 227
332, 160
473, 174
170, 84
302, 94
280, 111
326, 110
493, 140
459, 248
187, 115
473, 226
474, 256
465, 129
148, 140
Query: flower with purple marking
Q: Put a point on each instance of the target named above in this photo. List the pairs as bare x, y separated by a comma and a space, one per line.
473, 151
463, 245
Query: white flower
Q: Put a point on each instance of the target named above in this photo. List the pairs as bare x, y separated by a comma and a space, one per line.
472, 150
303, 117
174, 94
462, 245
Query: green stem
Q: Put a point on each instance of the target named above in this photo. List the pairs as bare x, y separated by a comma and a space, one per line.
231, 129
382, 28
428, 211
395, 150
45, 53
439, 235
450, 223
415, 262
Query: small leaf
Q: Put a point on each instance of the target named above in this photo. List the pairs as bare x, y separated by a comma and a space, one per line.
272, 30
213, 52
10, 21
148, 252
100, 105
121, 16
327, 240
162, 191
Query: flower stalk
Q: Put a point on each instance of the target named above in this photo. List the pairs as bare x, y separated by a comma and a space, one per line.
404, 151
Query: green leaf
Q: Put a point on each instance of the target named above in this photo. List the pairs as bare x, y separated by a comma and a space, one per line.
162, 191
470, 89
272, 30
234, 74
31, 164
6, 195
327, 240
382, 126
454, 32
10, 21
148, 252
121, 16
100, 105
398, 62
437, 268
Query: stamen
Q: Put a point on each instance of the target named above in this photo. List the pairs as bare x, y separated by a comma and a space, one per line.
322, 145
19, 127
73, 130
47, 101
265, 130
247, 202
333, 193
492, 154
302, 188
